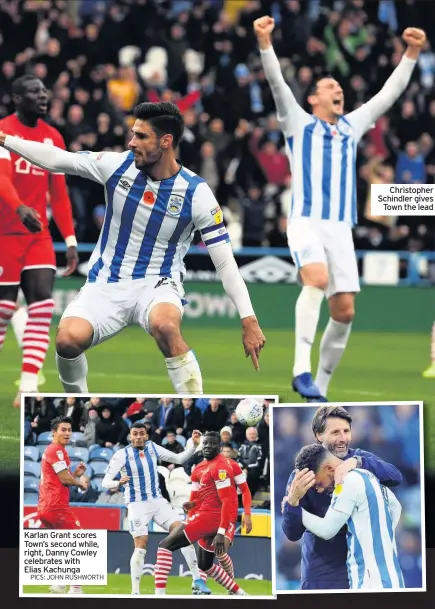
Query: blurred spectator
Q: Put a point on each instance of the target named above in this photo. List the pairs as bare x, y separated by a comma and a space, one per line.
136, 411
90, 429
263, 433
238, 430
215, 417
174, 447
410, 166
110, 431
77, 495
73, 408
228, 451
187, 417
40, 411
226, 436
164, 417
251, 459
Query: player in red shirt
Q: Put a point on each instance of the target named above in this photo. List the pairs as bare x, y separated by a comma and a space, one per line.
27, 256
194, 505
212, 522
54, 511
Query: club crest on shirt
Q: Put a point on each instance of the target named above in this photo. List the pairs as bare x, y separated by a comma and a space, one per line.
175, 204
222, 474
59, 453
305, 253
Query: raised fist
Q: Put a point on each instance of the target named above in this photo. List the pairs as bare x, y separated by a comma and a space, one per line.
414, 37
264, 26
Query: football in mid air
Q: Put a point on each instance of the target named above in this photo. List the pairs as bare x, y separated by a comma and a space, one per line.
249, 412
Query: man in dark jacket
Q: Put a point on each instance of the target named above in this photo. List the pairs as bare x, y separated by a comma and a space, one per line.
174, 446
110, 430
215, 417
77, 495
191, 416
251, 459
165, 417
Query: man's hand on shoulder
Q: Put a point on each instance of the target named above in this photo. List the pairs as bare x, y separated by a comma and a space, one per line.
302, 482
343, 469
253, 339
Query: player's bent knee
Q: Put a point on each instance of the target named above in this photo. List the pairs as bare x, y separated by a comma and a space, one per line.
72, 341
345, 315
165, 330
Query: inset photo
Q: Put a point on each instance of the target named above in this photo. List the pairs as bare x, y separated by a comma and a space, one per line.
348, 497
145, 495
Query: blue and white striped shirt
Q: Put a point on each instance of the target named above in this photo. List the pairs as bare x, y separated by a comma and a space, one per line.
141, 467
149, 225
322, 155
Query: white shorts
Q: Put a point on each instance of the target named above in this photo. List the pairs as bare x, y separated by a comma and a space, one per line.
110, 307
140, 513
330, 243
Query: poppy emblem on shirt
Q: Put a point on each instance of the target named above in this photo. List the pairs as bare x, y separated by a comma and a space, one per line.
175, 204
222, 474
59, 453
149, 197
334, 132
141, 454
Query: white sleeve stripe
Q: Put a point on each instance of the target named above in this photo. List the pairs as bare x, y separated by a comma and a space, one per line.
240, 478
216, 232
59, 466
4, 154
195, 486
223, 483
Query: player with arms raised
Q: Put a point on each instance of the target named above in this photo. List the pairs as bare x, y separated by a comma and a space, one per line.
322, 151
137, 464
136, 274
27, 256
212, 518
54, 511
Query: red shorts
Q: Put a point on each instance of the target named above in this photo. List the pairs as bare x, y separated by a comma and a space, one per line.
19, 253
62, 518
202, 527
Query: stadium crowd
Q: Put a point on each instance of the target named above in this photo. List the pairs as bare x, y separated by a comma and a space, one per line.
100, 58
387, 432
101, 426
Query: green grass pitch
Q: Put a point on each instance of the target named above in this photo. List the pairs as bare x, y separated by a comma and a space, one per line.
120, 584
375, 367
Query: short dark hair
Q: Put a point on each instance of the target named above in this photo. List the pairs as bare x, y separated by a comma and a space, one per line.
58, 420
171, 430
311, 457
164, 117
18, 86
328, 412
227, 445
312, 89
213, 434
138, 425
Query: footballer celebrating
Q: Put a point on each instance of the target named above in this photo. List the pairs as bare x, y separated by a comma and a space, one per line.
322, 150
27, 256
54, 511
136, 272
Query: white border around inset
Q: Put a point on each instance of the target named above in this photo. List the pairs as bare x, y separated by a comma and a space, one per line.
58, 394
418, 403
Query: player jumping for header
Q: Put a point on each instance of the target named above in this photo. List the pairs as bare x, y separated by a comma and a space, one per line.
322, 151
136, 274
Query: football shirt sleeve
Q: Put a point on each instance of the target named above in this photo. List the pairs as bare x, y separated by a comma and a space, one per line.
362, 118
240, 480
56, 459
97, 166
8, 192
393, 505
60, 201
116, 463
289, 113
208, 218
166, 455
